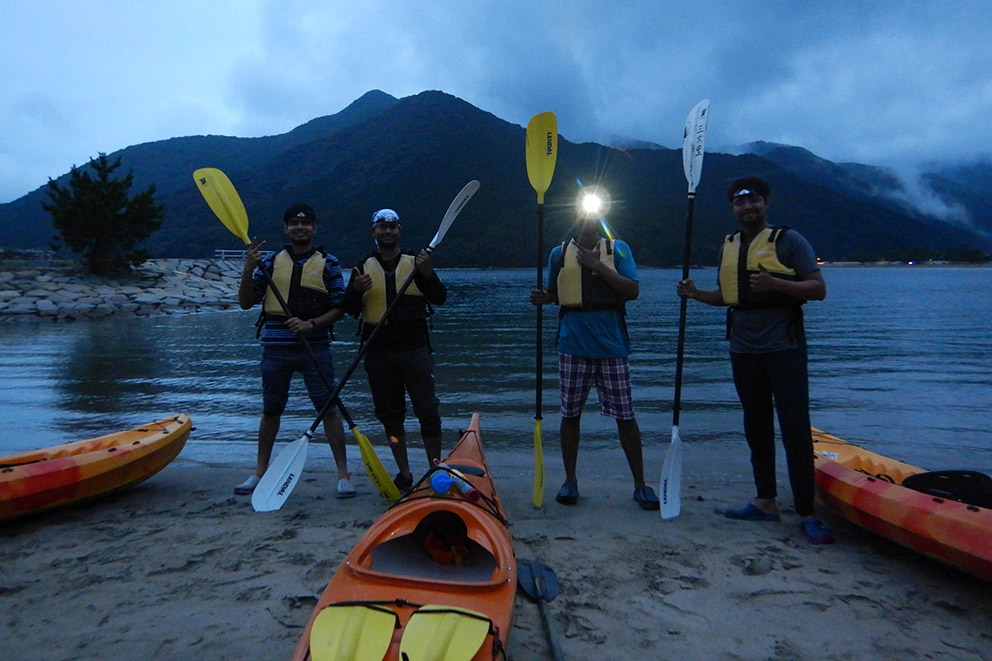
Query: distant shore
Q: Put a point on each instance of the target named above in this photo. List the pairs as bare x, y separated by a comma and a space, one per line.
62, 291
66, 292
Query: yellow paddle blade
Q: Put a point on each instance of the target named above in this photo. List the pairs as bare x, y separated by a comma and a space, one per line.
542, 151
443, 633
351, 633
375, 469
538, 497
224, 200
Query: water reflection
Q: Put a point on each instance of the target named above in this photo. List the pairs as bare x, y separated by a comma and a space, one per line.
899, 360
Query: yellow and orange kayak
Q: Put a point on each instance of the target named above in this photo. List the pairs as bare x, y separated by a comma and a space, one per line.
433, 578
871, 491
64, 474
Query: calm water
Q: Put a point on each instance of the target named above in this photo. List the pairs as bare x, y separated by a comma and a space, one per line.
899, 362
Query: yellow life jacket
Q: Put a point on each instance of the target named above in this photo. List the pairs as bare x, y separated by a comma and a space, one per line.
580, 288
374, 301
305, 296
735, 282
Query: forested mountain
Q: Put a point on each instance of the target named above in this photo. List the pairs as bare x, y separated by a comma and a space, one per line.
414, 154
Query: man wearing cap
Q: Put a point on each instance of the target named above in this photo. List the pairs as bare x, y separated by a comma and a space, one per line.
312, 287
399, 360
766, 275
591, 278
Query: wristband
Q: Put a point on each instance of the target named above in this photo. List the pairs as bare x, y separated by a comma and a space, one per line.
313, 325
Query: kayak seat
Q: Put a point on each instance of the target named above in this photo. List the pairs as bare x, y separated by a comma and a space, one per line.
421, 553
965, 486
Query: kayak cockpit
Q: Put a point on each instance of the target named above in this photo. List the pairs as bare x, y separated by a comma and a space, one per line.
440, 547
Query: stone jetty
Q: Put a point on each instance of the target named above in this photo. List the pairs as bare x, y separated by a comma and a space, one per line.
66, 292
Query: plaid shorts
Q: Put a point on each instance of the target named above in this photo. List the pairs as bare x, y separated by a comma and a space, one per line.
611, 376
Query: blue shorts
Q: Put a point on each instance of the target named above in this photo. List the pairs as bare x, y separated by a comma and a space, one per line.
278, 365
577, 375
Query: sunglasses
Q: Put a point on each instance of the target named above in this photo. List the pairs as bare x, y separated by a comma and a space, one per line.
292, 222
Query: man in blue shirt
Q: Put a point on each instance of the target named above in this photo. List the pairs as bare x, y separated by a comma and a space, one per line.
312, 286
591, 278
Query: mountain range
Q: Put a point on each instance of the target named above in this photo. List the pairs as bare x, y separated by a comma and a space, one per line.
415, 153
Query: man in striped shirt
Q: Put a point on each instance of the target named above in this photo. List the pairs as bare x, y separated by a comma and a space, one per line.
312, 287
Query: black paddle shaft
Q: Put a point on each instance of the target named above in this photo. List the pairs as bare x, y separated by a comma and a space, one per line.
365, 346
540, 582
539, 372
683, 308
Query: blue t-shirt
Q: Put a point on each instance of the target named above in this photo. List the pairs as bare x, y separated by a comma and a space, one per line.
594, 333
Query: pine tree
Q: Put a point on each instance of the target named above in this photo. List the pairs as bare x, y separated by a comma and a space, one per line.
96, 218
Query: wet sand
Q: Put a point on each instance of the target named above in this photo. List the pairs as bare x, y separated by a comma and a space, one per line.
180, 568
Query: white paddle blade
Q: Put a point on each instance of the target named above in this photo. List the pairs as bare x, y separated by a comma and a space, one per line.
693, 143
453, 210
671, 478
281, 476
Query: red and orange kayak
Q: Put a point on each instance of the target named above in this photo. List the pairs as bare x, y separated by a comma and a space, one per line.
433, 578
64, 474
870, 491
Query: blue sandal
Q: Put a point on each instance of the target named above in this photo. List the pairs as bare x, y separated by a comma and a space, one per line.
751, 512
816, 532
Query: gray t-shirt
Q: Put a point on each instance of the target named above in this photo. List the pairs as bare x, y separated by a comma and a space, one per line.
777, 329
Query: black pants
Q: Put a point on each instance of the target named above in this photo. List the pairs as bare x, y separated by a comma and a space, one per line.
394, 374
777, 382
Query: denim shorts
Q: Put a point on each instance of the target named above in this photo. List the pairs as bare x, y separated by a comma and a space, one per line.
278, 365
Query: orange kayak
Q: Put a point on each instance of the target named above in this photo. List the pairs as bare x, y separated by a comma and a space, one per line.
64, 474
945, 516
433, 578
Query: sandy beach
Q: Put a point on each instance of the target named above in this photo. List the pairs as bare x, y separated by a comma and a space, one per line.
180, 568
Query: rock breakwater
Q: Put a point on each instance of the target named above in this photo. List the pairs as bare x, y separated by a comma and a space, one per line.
159, 286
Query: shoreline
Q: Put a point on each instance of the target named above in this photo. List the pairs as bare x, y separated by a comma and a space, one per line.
157, 287
178, 567
65, 292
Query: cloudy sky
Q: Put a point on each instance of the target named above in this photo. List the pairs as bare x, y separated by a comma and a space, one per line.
881, 82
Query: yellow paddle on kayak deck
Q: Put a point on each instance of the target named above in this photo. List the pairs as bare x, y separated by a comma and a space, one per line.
352, 633
223, 199
444, 633
542, 153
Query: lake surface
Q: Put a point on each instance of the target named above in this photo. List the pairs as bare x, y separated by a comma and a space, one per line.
900, 362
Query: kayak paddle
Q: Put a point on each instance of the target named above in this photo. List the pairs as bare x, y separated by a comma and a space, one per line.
437, 631
542, 153
352, 631
225, 202
693, 139
284, 472
539, 581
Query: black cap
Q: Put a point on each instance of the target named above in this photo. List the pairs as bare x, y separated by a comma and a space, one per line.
300, 210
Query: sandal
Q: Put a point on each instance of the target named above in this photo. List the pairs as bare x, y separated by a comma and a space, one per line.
568, 494
814, 531
751, 512
248, 486
403, 481
345, 490
646, 498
